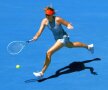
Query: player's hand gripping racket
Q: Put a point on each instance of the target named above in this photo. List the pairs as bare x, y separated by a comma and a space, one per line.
15, 47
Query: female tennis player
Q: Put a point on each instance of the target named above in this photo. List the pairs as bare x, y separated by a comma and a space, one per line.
54, 23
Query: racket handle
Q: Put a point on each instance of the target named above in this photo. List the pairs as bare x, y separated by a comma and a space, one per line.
31, 40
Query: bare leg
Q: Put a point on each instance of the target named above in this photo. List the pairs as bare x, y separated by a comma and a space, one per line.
76, 44
49, 53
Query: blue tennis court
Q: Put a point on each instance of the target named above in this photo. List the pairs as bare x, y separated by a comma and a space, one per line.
70, 69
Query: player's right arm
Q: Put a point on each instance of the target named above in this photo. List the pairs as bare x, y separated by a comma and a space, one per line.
42, 26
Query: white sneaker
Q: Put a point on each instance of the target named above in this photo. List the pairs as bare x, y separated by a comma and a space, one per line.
91, 48
38, 75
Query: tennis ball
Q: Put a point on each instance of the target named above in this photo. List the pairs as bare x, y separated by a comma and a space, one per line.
18, 66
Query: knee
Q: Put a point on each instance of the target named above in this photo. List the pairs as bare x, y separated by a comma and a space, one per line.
49, 53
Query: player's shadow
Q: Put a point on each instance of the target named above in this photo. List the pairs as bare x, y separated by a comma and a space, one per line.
72, 67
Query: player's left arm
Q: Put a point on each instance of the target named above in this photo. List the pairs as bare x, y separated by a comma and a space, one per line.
62, 21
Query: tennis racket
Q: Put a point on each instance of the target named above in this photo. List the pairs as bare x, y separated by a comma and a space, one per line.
15, 47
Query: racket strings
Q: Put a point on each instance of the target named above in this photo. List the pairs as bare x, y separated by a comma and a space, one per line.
15, 47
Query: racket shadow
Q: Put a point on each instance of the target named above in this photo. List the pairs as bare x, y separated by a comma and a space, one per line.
72, 67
